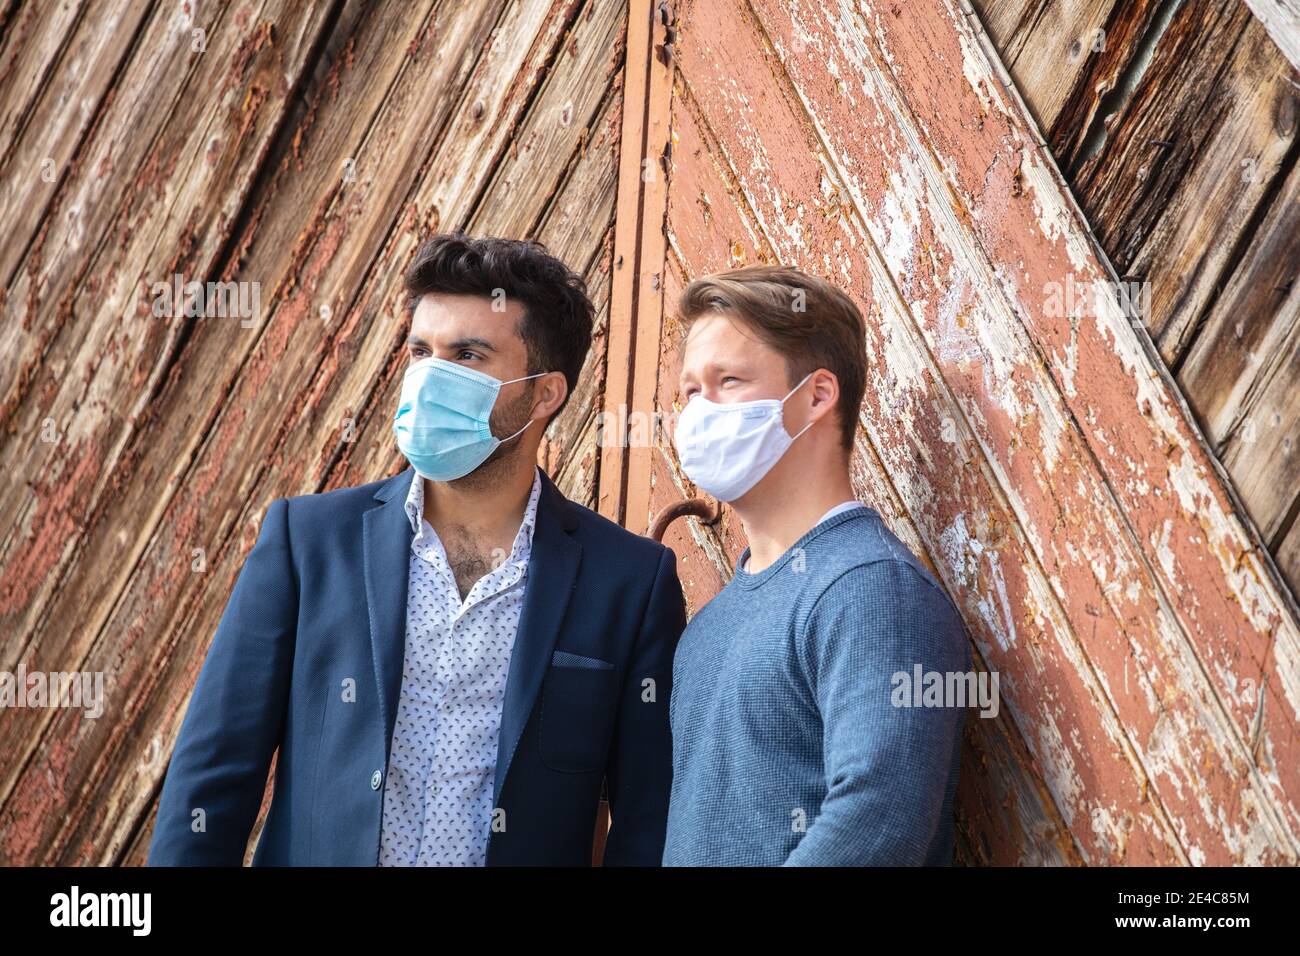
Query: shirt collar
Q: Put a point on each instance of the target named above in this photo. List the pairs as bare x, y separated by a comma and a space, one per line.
523, 540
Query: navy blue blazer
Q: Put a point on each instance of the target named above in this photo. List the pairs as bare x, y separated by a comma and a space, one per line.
307, 658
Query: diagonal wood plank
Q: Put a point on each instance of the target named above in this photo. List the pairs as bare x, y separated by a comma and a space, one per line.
37, 146
32, 43
109, 347
1179, 141
1282, 20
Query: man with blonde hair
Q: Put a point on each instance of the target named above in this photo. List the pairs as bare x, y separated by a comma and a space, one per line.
791, 742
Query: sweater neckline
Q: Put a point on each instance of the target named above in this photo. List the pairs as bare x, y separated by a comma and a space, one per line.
748, 579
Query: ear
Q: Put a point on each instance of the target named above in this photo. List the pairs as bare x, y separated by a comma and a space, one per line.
549, 394
824, 391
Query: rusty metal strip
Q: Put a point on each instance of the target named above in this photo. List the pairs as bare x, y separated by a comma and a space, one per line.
650, 266
618, 373
636, 304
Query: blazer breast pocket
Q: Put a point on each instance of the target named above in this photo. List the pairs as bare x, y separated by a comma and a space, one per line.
579, 698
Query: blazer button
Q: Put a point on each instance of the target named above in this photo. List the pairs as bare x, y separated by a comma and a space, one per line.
375, 779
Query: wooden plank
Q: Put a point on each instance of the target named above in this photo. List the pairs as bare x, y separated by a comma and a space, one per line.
1074, 62
37, 146
106, 357
1217, 173
92, 209
1239, 374
1264, 452
1245, 330
1211, 124
1288, 554
1281, 18
32, 42
651, 254
1205, 103
78, 381
571, 453
130, 124
1048, 45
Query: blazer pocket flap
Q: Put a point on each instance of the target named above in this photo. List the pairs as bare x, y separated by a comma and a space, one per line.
565, 659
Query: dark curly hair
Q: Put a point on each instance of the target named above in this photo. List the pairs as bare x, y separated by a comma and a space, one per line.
558, 316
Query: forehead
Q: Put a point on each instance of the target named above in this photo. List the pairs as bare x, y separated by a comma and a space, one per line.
441, 317
719, 340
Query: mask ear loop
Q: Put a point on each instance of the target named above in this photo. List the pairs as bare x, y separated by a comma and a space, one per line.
797, 387
525, 378
502, 441
531, 420
791, 392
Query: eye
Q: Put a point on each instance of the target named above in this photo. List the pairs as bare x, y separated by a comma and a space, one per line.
418, 351
690, 392
464, 355
729, 378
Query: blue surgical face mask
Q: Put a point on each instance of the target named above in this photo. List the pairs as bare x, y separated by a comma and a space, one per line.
442, 421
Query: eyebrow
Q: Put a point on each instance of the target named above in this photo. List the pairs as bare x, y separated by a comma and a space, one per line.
480, 343
415, 341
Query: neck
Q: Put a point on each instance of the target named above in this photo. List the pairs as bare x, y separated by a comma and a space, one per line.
494, 499
786, 505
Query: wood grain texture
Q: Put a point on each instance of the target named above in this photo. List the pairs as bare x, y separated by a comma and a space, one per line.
1241, 370
634, 311
334, 138
1281, 18
1051, 47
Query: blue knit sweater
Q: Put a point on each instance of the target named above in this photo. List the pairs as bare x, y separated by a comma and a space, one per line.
788, 746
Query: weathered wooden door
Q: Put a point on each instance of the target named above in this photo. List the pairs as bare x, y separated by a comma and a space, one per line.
1019, 432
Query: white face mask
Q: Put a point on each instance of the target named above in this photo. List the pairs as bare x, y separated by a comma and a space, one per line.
726, 449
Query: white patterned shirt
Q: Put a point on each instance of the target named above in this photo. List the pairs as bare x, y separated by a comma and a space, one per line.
438, 797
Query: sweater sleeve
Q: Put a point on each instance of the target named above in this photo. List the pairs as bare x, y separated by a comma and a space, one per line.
886, 766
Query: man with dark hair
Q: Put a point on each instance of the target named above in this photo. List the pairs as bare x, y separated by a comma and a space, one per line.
791, 741
451, 662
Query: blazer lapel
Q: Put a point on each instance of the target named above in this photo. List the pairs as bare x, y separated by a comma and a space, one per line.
552, 578
387, 544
